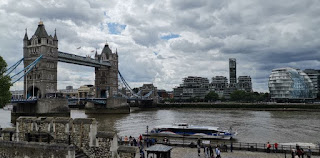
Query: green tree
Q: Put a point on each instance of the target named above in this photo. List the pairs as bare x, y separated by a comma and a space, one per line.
5, 83
223, 99
136, 90
238, 95
211, 96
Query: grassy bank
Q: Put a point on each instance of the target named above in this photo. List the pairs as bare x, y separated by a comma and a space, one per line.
274, 106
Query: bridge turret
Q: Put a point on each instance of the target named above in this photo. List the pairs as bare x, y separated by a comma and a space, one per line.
44, 75
25, 39
106, 80
96, 55
55, 38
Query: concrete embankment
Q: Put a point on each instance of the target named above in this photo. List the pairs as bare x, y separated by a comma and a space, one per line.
246, 106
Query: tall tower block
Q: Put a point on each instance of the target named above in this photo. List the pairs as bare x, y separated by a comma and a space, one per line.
233, 72
43, 78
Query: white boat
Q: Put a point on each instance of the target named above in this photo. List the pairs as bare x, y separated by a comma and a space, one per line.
183, 129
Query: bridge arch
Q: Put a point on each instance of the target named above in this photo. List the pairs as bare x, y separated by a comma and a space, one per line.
34, 92
103, 93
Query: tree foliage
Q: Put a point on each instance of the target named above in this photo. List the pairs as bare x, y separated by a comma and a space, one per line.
5, 84
136, 90
212, 96
242, 96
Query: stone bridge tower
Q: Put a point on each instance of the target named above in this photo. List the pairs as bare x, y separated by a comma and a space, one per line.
44, 74
106, 78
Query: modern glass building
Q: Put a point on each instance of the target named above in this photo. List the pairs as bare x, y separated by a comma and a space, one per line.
290, 84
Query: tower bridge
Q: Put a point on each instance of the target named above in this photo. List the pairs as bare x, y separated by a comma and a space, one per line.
41, 51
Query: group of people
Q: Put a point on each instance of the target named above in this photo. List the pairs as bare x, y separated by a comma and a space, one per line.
299, 152
132, 141
208, 150
275, 147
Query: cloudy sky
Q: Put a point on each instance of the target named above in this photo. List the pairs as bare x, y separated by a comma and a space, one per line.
163, 41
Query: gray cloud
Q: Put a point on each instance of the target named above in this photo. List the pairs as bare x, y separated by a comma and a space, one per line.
262, 35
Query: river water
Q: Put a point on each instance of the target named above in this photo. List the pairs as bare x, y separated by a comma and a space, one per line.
252, 126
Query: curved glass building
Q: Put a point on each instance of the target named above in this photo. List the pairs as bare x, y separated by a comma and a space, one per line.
290, 84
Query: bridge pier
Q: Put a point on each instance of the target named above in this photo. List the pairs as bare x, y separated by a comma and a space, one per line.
43, 107
114, 105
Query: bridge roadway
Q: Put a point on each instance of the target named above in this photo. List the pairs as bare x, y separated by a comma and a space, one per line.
80, 60
24, 101
93, 100
102, 101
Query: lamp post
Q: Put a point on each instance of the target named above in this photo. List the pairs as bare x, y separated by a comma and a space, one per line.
33, 84
26, 84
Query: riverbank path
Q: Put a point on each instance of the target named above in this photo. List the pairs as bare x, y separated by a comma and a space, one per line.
180, 152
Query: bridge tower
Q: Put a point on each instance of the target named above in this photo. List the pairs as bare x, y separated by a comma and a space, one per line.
44, 75
106, 78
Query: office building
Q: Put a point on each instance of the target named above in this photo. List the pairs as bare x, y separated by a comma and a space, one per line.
286, 84
218, 85
244, 83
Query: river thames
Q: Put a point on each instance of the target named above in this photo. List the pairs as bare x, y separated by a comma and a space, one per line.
252, 126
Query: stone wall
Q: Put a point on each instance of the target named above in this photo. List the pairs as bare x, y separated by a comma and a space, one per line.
81, 132
83, 135
117, 102
10, 149
8, 134
44, 106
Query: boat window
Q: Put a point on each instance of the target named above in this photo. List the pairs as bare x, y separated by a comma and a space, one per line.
182, 124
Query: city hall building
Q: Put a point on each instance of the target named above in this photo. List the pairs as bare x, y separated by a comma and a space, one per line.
289, 84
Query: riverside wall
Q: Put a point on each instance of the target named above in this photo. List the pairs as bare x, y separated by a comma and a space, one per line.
249, 106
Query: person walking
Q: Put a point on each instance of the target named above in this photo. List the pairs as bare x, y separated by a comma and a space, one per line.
299, 152
276, 147
126, 140
268, 147
218, 152
309, 152
199, 142
130, 141
207, 151
293, 153
135, 143
211, 151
